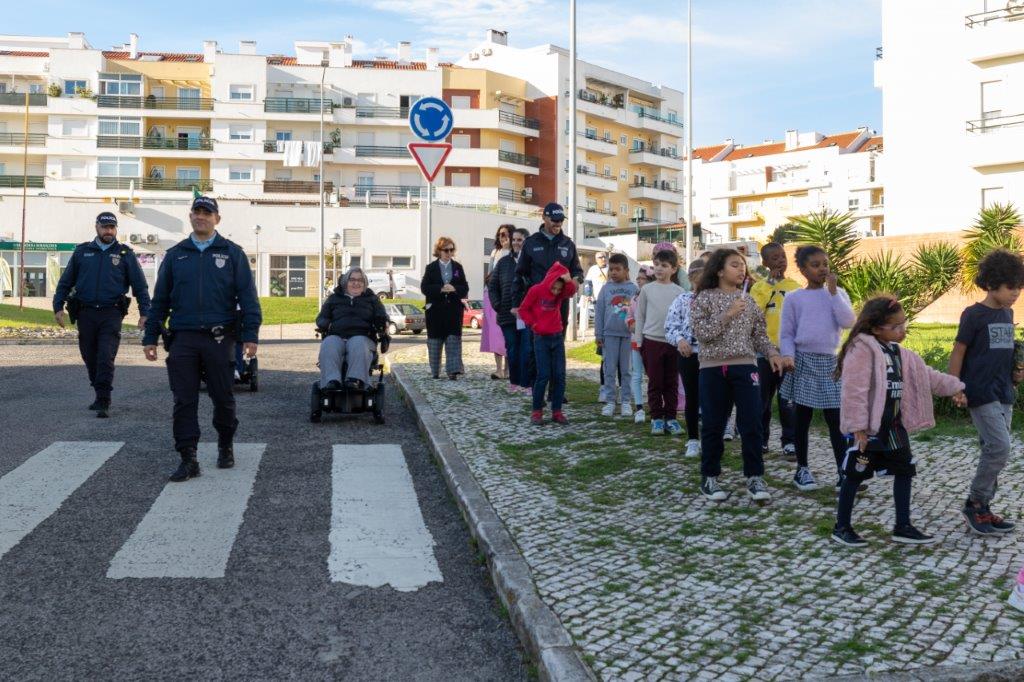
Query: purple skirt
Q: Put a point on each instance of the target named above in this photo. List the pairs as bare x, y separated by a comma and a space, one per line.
491, 338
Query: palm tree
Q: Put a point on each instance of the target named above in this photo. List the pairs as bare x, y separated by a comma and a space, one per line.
995, 228
932, 271
832, 231
782, 234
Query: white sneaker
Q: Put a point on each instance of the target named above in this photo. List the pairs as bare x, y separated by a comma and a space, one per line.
639, 416
1016, 599
627, 410
692, 448
608, 410
730, 429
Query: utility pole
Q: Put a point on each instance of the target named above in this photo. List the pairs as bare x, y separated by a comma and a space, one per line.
689, 131
571, 211
323, 265
24, 204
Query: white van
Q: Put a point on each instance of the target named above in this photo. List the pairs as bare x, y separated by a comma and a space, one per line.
381, 285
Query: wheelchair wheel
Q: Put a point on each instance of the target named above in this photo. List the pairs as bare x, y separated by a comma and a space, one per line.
315, 411
378, 405
254, 375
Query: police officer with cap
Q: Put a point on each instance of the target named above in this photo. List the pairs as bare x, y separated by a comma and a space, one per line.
207, 287
544, 248
99, 273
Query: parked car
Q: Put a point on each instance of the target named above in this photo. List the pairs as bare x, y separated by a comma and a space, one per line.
405, 317
381, 285
473, 315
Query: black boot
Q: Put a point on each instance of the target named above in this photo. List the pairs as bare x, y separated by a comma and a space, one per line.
189, 467
225, 456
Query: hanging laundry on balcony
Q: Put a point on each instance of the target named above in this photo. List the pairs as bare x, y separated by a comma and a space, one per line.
311, 151
293, 152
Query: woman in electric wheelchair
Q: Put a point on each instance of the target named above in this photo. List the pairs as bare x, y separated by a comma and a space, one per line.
352, 322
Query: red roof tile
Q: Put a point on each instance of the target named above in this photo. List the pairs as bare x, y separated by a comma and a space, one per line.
167, 56
22, 53
873, 144
841, 140
707, 153
756, 150
281, 60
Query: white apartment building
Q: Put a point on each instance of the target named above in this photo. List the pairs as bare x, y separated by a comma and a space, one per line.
951, 76
742, 193
629, 145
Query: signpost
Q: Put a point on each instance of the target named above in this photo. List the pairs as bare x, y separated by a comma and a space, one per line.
431, 120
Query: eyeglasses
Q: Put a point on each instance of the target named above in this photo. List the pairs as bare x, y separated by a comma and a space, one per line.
448, 249
356, 280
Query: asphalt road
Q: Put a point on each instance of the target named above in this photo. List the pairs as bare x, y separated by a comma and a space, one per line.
275, 613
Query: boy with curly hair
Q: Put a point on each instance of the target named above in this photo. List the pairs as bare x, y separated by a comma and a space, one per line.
983, 358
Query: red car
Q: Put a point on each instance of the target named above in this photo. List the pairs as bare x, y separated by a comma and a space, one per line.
473, 315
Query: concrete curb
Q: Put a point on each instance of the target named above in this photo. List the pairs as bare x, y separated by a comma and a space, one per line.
541, 633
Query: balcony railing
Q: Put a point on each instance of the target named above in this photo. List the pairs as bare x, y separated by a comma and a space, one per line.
162, 184
662, 186
134, 142
591, 136
878, 52
984, 125
521, 159
398, 191
382, 152
270, 146
1011, 12
296, 105
37, 181
151, 102
18, 99
382, 112
516, 119
296, 186
615, 102
659, 151
34, 139
599, 211
644, 113
583, 170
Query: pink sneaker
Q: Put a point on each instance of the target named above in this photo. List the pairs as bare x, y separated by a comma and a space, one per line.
1016, 599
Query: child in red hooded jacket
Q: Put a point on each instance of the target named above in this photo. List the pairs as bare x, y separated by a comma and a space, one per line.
541, 311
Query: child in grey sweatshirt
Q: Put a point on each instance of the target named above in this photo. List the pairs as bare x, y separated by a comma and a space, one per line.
613, 335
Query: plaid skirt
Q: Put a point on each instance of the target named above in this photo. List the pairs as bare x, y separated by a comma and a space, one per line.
811, 384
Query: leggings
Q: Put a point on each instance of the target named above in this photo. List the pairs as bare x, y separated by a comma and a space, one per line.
689, 370
803, 427
900, 493
636, 378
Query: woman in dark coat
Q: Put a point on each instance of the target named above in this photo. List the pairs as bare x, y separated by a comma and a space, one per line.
444, 285
353, 320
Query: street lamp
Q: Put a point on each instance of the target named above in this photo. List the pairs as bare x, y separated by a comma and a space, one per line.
334, 242
257, 230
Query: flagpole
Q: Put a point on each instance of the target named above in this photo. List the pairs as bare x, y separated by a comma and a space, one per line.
24, 204
689, 131
323, 265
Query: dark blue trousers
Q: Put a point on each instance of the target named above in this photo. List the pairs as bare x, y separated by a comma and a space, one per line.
99, 337
549, 354
721, 388
192, 351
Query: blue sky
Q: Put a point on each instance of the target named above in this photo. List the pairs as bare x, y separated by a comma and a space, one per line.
760, 67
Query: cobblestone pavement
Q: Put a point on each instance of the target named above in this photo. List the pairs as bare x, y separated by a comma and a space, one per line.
654, 582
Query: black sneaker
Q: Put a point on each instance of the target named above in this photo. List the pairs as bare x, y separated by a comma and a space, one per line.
710, 489
909, 535
999, 524
225, 457
102, 407
978, 519
848, 536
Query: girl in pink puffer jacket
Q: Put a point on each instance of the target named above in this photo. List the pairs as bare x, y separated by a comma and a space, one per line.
886, 395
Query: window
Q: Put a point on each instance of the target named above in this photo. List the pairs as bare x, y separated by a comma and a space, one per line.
120, 84
673, 116
638, 144
3, 88
608, 206
364, 179
462, 141
623, 174
991, 99
74, 127
35, 88
240, 132
461, 180
355, 260
3, 168
351, 237
853, 204
71, 87
283, 135
992, 195
115, 125
623, 139
462, 102
187, 173
396, 262
240, 174
118, 167
608, 171
607, 136
290, 275
623, 209
73, 168
242, 93
590, 132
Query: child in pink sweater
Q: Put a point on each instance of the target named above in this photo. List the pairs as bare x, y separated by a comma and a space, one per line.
886, 395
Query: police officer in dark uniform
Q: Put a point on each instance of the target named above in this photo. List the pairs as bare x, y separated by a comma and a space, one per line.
542, 249
99, 273
206, 285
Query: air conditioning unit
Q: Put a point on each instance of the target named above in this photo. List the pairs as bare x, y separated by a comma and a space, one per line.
347, 102
152, 239
126, 207
486, 52
527, 193
135, 238
473, 56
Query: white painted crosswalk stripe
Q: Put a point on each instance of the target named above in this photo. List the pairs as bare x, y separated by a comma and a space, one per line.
378, 536
191, 528
35, 490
